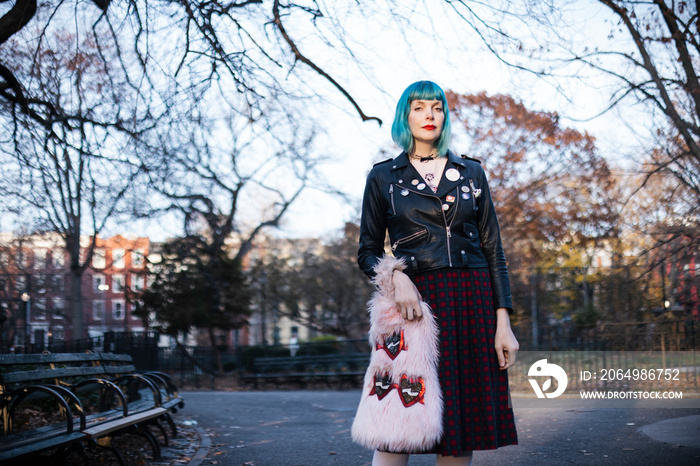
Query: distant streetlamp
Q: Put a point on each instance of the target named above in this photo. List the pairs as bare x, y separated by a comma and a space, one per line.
3, 319
27, 311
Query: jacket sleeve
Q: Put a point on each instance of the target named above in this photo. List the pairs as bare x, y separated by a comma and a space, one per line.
372, 226
490, 234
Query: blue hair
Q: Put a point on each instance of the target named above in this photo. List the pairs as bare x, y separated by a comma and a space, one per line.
401, 133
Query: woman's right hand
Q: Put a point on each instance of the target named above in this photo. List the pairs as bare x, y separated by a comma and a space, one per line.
407, 297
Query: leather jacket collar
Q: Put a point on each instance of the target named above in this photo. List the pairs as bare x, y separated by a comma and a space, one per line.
402, 160
404, 170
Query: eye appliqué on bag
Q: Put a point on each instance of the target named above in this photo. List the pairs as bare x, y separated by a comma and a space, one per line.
393, 344
382, 385
412, 390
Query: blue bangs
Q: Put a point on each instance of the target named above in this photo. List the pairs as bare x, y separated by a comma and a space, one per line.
420, 90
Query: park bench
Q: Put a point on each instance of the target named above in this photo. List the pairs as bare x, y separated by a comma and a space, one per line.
119, 365
340, 368
55, 403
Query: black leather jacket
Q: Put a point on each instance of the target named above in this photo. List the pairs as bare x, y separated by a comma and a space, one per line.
455, 227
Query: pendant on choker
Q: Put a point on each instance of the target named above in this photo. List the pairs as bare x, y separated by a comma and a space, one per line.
424, 159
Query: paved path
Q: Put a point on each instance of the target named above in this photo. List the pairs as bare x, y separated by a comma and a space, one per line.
291, 428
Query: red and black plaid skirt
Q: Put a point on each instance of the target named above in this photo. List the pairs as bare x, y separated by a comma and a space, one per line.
477, 410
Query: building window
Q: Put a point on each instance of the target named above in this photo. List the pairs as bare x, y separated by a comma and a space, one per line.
23, 259
40, 283
56, 283
118, 258
3, 258
20, 283
58, 334
40, 259
137, 258
38, 309
118, 283
58, 308
135, 306
99, 283
137, 282
98, 259
59, 259
98, 310
118, 309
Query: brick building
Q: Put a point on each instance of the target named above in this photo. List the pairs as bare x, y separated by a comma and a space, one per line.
118, 266
35, 282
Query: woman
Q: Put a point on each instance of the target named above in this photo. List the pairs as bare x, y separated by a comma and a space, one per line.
441, 221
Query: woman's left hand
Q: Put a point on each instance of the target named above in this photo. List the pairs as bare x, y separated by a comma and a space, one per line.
505, 342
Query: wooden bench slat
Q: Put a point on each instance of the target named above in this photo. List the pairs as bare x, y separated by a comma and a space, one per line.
48, 374
112, 357
118, 369
119, 424
25, 450
46, 358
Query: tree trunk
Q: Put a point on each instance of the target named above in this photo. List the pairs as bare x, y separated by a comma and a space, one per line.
76, 287
217, 351
76, 296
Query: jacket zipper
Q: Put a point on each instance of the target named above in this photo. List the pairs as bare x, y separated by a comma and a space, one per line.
448, 231
407, 238
449, 253
391, 195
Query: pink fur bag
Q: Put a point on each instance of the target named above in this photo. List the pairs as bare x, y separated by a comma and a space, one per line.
401, 406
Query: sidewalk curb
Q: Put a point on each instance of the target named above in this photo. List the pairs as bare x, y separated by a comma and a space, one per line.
203, 450
679, 431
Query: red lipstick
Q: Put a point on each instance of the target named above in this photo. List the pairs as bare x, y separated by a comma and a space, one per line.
429, 127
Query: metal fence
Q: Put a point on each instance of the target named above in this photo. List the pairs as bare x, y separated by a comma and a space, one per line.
671, 335
197, 366
141, 346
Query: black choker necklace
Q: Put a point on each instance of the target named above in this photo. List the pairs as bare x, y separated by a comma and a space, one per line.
427, 158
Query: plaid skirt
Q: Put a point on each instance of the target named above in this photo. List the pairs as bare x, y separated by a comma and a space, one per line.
477, 411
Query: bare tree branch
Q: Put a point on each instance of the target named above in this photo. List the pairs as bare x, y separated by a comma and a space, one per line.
302, 58
668, 105
14, 20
